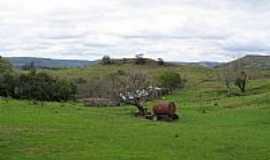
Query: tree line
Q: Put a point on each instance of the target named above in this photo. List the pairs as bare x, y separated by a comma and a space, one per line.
34, 85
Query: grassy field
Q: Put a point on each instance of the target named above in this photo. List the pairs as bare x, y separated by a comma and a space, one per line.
212, 126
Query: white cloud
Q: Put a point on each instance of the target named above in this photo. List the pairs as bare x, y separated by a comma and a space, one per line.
186, 30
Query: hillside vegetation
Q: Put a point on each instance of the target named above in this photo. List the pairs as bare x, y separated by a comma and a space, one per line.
4, 66
212, 126
257, 66
33, 85
251, 62
193, 73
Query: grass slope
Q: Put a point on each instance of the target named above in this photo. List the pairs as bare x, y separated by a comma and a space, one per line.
189, 72
255, 66
250, 62
212, 127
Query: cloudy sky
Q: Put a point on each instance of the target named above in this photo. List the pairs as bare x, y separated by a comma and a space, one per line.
176, 30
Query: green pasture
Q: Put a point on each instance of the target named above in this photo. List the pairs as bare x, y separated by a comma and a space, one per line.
212, 127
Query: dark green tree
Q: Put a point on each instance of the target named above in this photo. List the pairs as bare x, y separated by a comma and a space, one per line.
171, 80
106, 60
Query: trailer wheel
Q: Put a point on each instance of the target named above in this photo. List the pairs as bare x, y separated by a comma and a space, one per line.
175, 116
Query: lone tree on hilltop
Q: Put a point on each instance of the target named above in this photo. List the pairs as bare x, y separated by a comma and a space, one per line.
106, 60
139, 58
161, 61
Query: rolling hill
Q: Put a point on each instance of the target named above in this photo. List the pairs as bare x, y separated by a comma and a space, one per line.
212, 125
250, 62
247, 62
20, 62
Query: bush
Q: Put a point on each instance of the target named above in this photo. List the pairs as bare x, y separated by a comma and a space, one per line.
171, 80
161, 61
7, 84
139, 59
65, 90
36, 86
7, 79
106, 60
5, 66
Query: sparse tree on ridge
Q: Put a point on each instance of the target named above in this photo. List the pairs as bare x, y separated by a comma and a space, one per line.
139, 58
161, 61
106, 60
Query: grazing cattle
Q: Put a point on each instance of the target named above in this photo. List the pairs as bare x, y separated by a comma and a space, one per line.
165, 110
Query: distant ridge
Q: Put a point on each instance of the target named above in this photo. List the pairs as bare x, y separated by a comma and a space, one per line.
20, 62
207, 64
250, 62
247, 62
149, 61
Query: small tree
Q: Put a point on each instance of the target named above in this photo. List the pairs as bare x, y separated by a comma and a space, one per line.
234, 74
106, 60
140, 59
161, 61
171, 80
241, 81
7, 78
5, 66
131, 88
7, 84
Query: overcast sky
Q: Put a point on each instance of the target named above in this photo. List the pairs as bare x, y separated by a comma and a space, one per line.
176, 30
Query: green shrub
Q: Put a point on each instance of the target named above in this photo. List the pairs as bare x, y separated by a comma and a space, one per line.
171, 80
161, 62
7, 79
36, 86
106, 60
7, 84
139, 59
5, 66
65, 90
